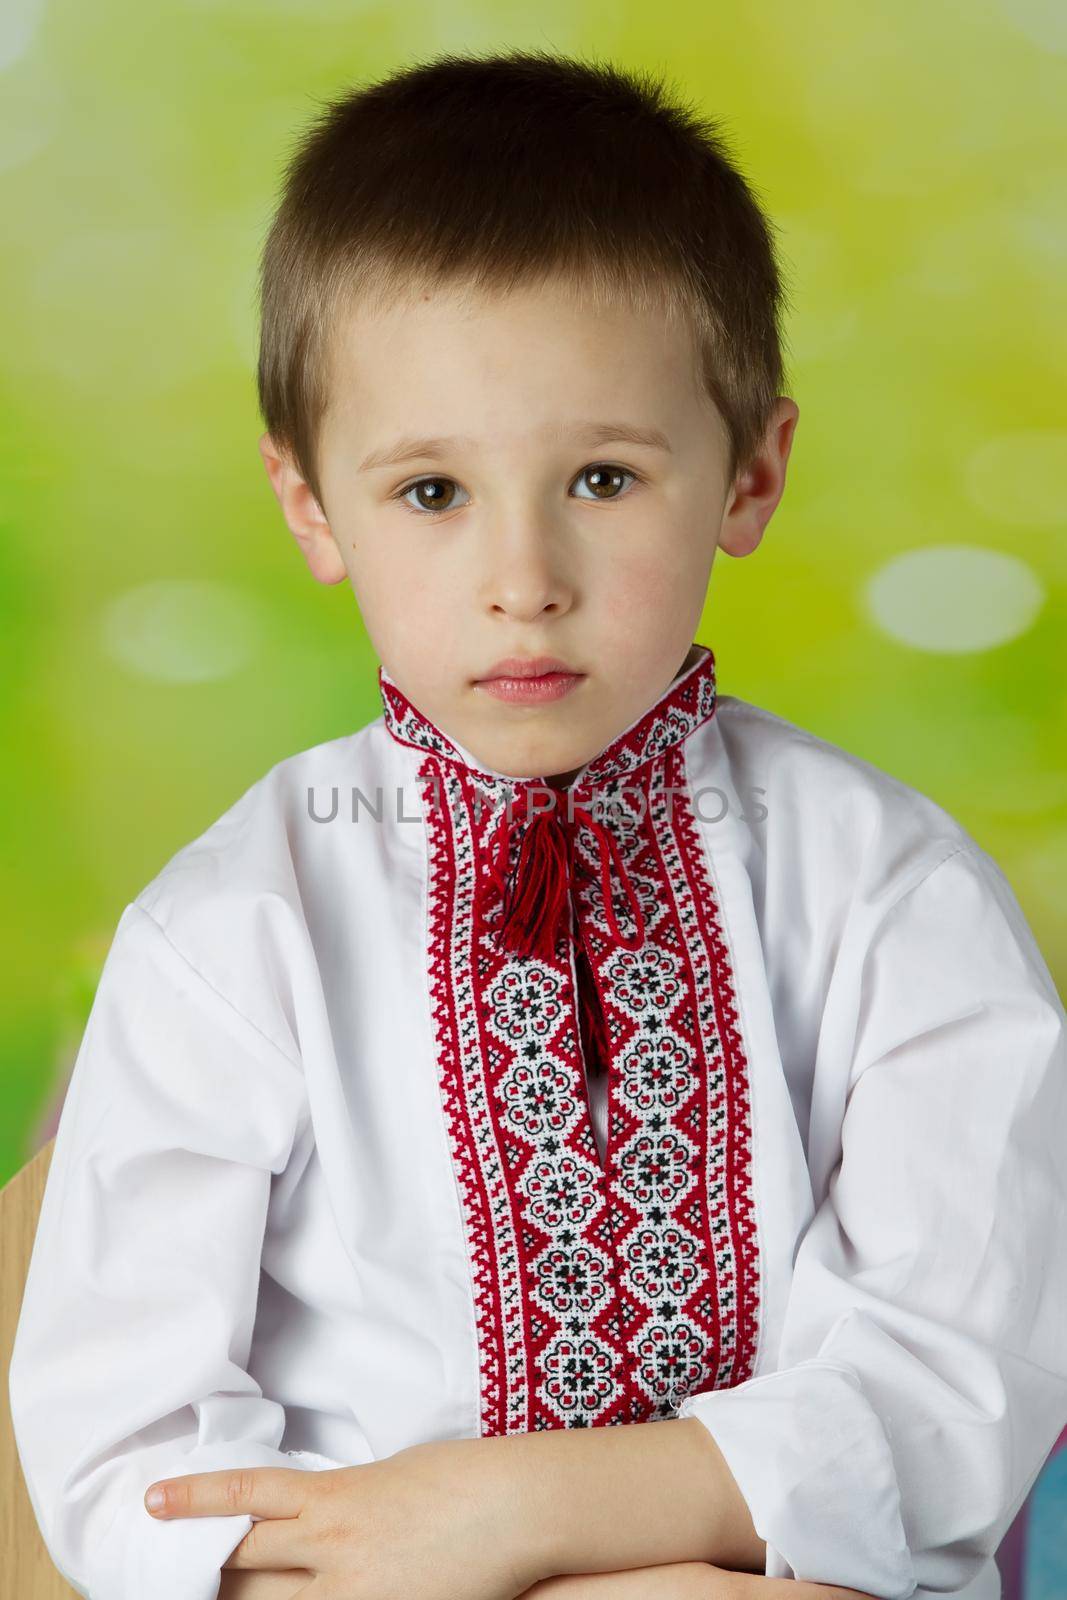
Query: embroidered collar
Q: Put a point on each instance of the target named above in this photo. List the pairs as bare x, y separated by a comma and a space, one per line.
687, 702
536, 888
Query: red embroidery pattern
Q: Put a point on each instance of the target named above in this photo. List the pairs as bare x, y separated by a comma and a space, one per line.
604, 1292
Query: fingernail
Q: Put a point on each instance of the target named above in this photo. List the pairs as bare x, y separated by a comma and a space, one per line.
155, 1499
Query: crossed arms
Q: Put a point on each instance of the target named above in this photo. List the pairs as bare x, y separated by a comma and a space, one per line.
648, 1511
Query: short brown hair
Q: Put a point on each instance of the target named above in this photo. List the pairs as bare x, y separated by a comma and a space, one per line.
503, 170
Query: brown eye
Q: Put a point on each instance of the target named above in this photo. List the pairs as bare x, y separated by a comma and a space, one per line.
604, 480
434, 494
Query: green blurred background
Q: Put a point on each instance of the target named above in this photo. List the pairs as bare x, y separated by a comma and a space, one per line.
164, 643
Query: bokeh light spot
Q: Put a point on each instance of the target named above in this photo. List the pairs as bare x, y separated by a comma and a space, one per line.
1019, 477
954, 598
181, 630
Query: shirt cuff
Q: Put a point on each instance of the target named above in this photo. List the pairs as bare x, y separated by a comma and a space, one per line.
181, 1559
813, 1463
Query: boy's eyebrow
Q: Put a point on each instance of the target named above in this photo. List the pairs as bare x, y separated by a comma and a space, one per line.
592, 434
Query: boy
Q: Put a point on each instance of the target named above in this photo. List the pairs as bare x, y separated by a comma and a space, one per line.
574, 1046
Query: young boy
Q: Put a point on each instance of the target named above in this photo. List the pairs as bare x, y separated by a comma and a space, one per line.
575, 1045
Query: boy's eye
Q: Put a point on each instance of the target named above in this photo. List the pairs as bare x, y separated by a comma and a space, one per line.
604, 479
436, 494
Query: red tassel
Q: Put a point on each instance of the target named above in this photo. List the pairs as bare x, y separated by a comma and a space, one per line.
536, 896
538, 890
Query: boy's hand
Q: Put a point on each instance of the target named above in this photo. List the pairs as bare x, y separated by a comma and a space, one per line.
684, 1580
431, 1522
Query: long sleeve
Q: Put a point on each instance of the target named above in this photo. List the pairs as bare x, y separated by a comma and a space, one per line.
922, 1375
130, 1352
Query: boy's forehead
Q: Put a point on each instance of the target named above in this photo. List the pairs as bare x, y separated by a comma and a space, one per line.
438, 364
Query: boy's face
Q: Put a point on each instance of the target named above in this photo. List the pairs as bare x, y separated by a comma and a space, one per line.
520, 533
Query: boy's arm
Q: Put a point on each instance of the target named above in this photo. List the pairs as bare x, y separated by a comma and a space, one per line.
640, 1495
136, 1322
922, 1375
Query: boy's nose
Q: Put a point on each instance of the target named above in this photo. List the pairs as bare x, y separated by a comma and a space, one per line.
524, 574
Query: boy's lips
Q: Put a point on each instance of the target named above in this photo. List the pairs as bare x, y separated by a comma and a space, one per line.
527, 680
527, 667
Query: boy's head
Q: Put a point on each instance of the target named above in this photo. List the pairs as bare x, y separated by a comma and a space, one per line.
520, 365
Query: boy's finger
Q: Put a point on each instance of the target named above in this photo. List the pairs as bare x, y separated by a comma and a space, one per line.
274, 1545
236, 1491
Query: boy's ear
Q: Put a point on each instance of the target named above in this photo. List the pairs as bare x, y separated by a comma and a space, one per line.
303, 514
758, 489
